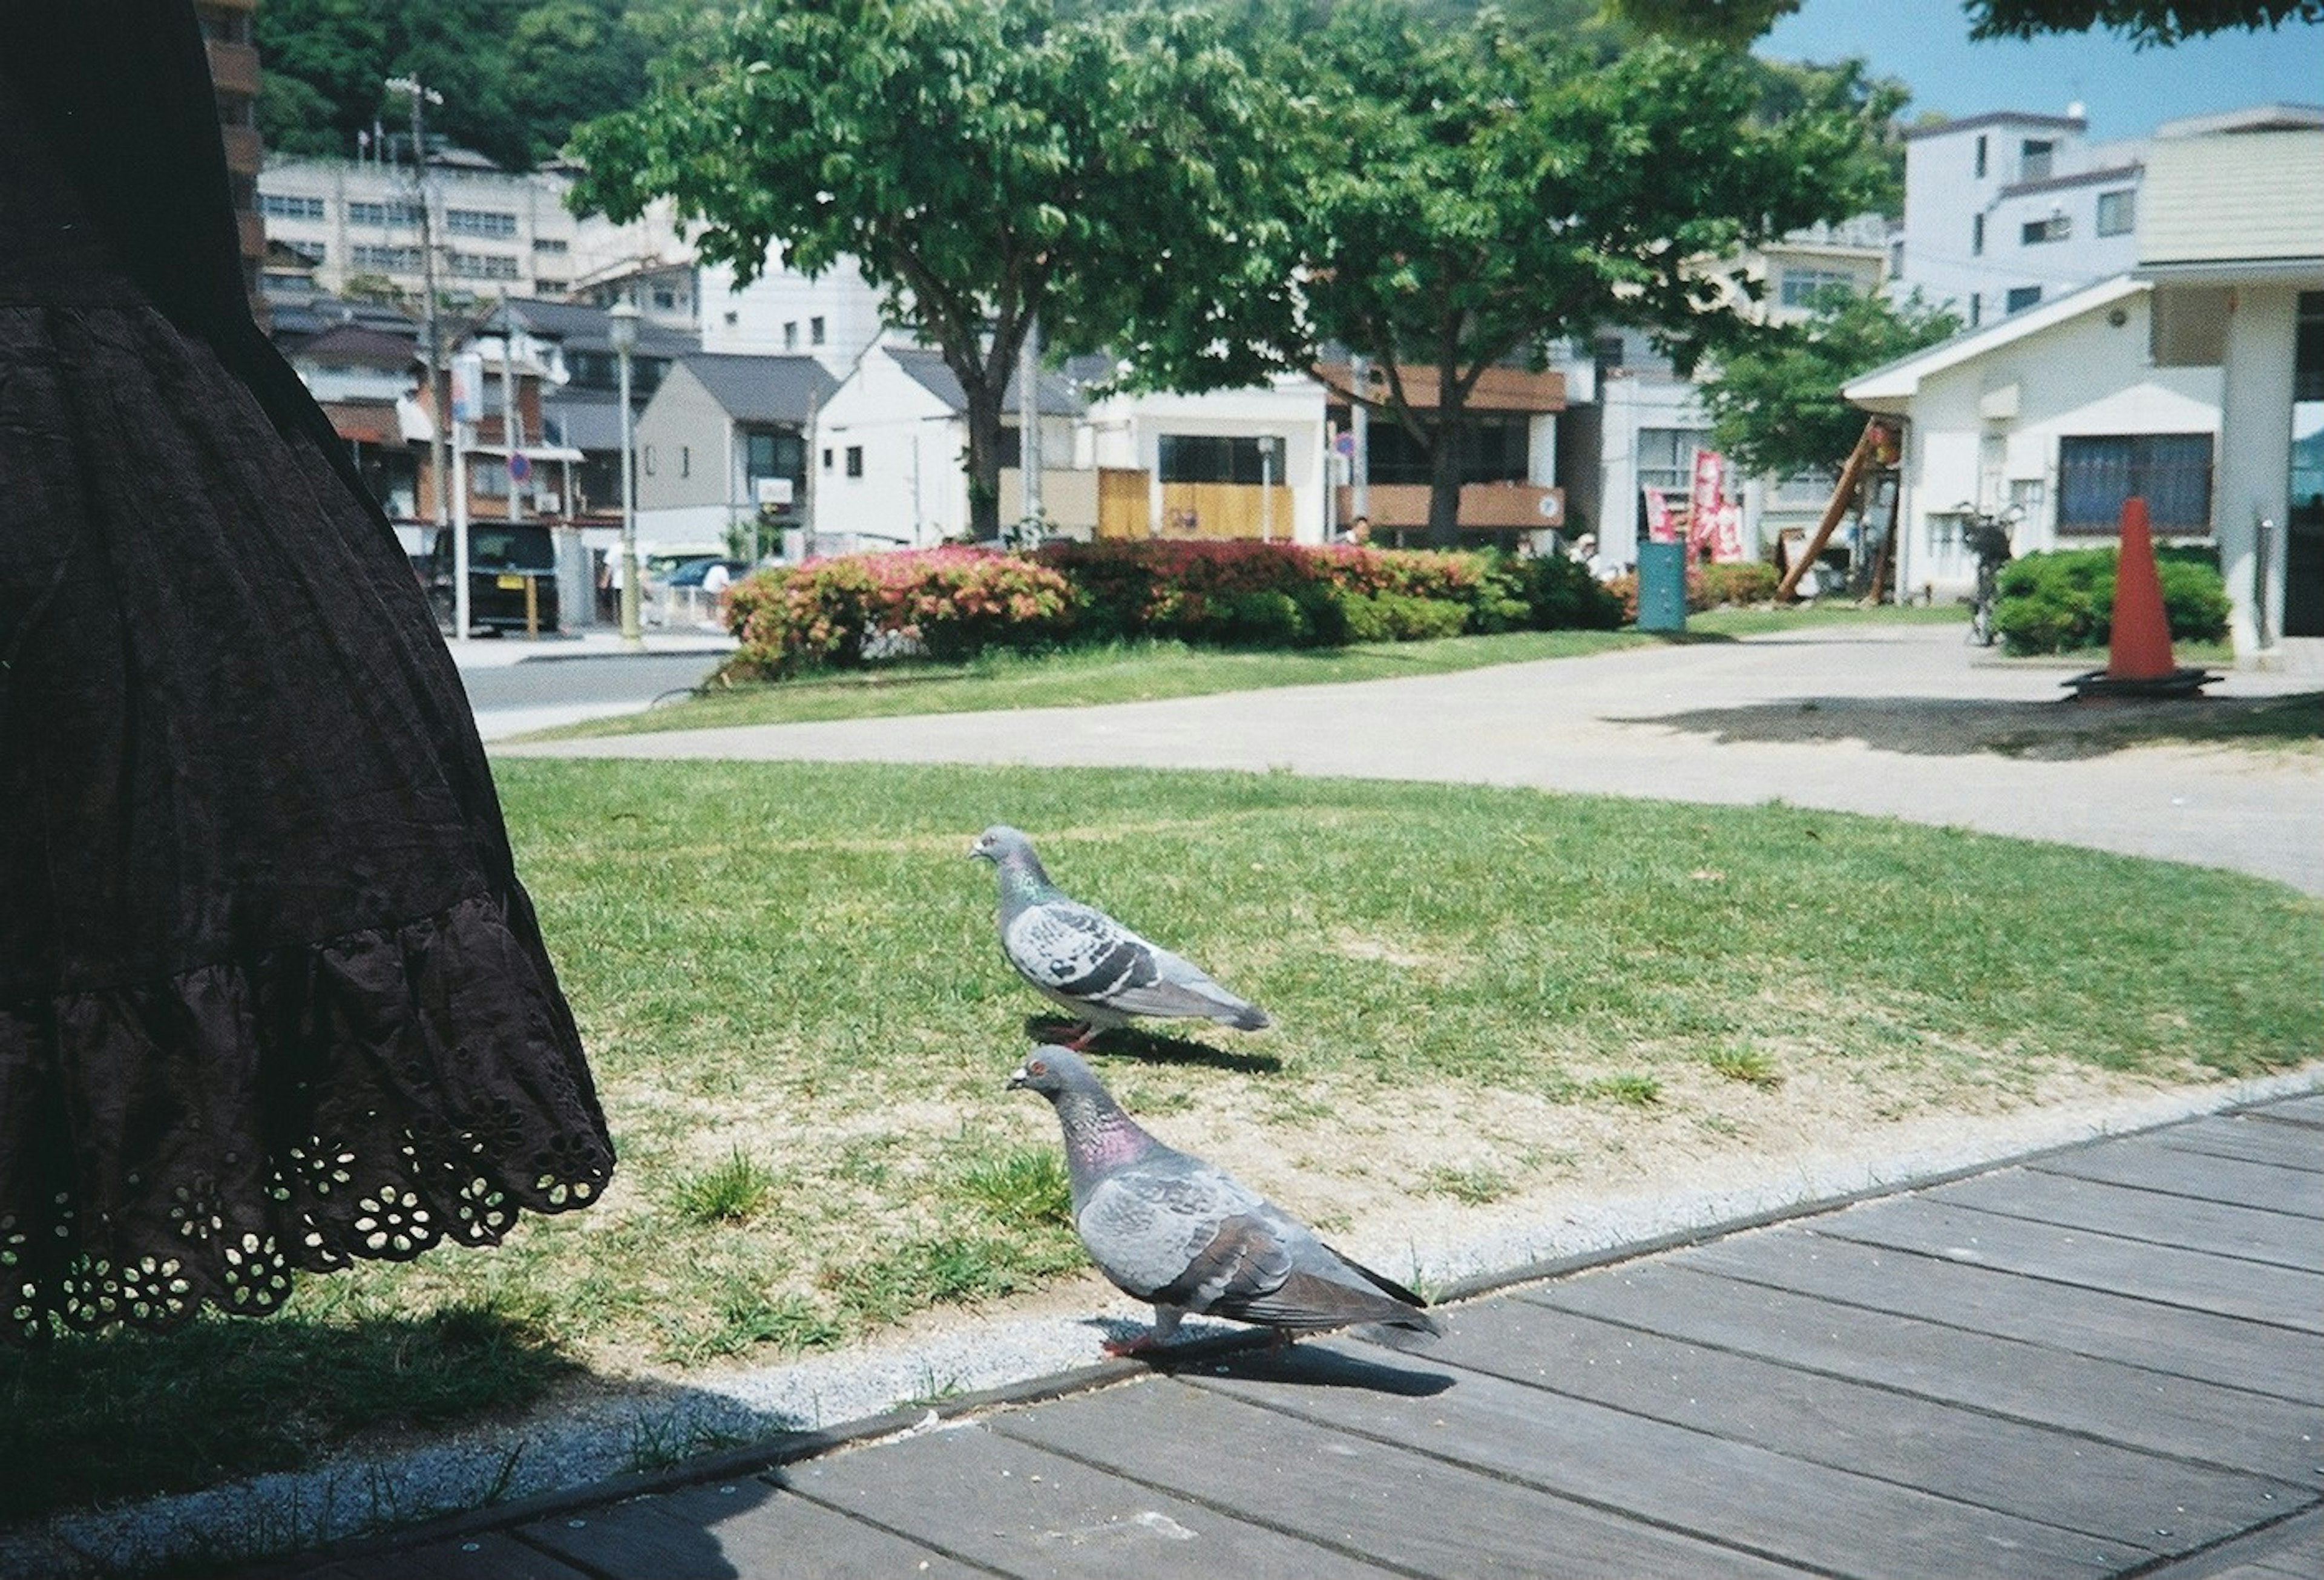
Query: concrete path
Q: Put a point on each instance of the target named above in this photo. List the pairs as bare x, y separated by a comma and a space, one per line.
1881, 719
2106, 1361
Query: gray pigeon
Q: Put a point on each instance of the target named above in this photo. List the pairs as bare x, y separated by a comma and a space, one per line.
1174, 1230
1079, 956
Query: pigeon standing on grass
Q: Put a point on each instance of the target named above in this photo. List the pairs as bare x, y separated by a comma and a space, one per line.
1171, 1230
1099, 970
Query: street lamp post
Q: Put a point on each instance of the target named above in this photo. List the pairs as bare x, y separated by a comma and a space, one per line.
621, 330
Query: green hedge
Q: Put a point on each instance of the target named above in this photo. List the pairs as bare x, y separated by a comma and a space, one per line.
954, 603
2061, 600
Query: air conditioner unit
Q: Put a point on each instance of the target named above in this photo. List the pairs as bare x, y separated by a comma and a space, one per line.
548, 504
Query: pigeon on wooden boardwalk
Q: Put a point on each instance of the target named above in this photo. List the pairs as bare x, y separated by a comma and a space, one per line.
1174, 1230
1081, 958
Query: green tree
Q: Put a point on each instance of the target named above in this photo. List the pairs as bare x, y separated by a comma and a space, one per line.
1775, 403
1472, 199
985, 164
2143, 22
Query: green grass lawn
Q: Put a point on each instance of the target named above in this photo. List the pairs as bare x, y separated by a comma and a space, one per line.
1149, 672
800, 1021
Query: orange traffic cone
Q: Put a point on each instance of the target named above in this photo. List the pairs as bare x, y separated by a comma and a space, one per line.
2138, 647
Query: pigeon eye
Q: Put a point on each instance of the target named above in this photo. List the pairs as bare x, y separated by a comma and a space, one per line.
1039, 1067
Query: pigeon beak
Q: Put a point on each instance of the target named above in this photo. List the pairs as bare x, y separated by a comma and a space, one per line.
1016, 1083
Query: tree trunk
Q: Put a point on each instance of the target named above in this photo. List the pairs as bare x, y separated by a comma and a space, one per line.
983, 399
1445, 479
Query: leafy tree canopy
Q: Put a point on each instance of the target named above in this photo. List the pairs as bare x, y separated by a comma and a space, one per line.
1469, 198
985, 162
2143, 22
1775, 403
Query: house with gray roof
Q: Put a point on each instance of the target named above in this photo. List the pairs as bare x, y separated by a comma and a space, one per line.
892, 446
722, 444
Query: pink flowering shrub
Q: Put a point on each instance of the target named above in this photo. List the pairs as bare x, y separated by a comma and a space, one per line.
950, 602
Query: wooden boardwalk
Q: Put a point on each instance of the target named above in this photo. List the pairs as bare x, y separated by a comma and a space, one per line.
2103, 1361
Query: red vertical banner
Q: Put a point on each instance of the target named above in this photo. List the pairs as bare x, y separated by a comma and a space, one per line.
1659, 527
1702, 501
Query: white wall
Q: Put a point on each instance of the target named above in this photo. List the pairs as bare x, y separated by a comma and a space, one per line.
1944, 194
913, 488
1995, 421
754, 318
1127, 432
2253, 480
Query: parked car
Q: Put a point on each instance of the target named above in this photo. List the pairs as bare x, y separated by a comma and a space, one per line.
694, 573
511, 578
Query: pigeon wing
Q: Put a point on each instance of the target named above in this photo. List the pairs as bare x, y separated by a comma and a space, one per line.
1161, 1230
1068, 947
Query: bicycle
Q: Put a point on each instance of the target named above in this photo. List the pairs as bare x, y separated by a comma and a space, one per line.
1987, 536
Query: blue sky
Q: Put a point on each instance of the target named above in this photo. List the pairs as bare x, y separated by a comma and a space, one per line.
2124, 91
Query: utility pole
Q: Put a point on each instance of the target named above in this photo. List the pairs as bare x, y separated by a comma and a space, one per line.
1360, 440
1029, 432
439, 394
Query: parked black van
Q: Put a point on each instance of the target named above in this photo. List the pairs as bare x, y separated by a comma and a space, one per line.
511, 577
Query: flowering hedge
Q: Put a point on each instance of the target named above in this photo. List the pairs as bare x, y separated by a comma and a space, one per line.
945, 603
953, 603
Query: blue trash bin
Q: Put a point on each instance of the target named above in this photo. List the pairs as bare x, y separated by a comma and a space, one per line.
1662, 586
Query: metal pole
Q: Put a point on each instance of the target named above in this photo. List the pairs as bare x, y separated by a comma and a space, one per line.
438, 376
512, 430
624, 335
1028, 430
1360, 439
1266, 489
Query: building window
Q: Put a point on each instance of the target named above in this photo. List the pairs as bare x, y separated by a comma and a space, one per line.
790, 336
2022, 297
1229, 458
366, 258
685, 460
284, 205
2058, 228
664, 297
1976, 234
1980, 156
650, 460
551, 244
383, 215
1494, 448
826, 457
479, 222
2118, 212
1800, 287
1666, 457
2171, 471
854, 460
1975, 309
2034, 160
815, 332
482, 265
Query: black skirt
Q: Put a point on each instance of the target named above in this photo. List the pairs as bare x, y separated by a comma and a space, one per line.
270, 994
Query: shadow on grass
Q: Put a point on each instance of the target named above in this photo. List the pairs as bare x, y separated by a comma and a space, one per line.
1131, 1043
232, 1440
130, 1414
2062, 730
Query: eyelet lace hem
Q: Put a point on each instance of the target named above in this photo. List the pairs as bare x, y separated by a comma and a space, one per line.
192, 1142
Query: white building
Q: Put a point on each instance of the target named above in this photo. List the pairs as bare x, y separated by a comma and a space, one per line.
834, 317
494, 230
2233, 243
891, 466
2006, 210
1231, 463
2055, 415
